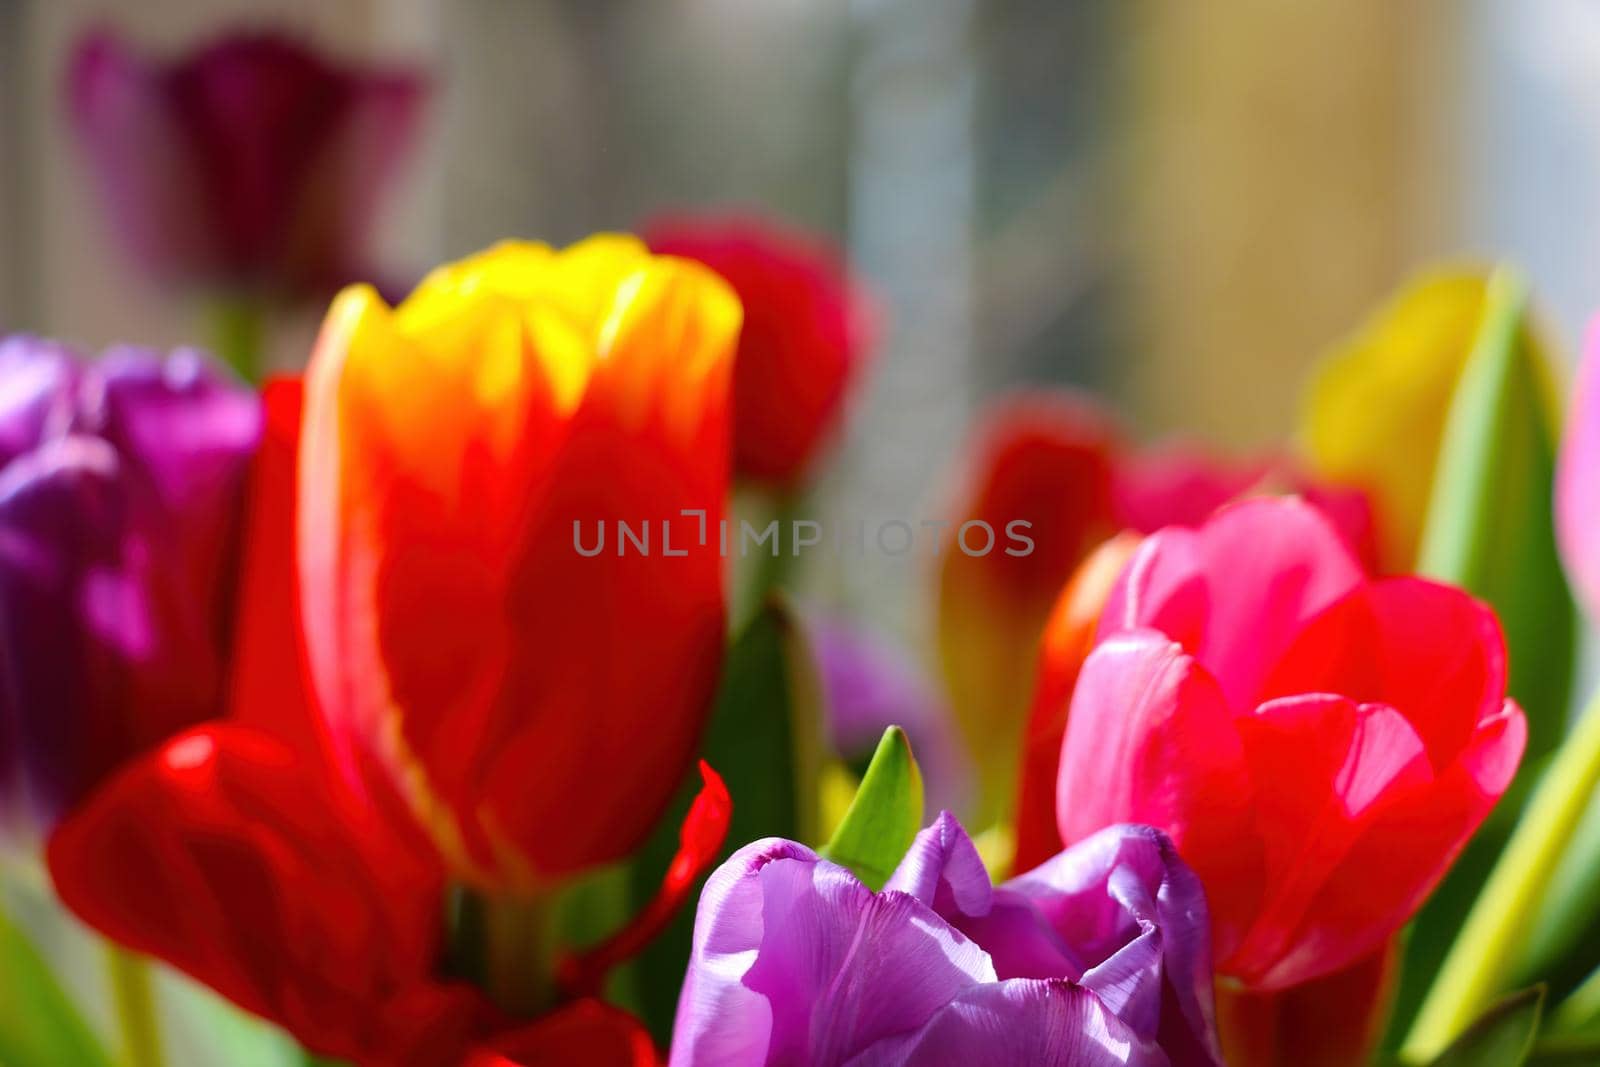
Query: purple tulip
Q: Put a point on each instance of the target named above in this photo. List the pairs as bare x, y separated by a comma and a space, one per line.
121, 486
1099, 956
251, 162
868, 684
1578, 482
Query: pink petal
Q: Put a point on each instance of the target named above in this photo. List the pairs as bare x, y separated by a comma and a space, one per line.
1236, 591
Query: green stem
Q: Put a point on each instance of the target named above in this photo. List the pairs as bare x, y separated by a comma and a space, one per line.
133, 998
1496, 929
519, 954
238, 333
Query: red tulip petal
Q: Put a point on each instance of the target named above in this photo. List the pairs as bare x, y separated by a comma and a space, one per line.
1325, 770
227, 856
1151, 740
1236, 591
705, 828
1412, 837
1429, 650
269, 687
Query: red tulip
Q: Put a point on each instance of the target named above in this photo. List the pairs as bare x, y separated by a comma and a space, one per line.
806, 337
533, 706
1295, 726
238, 859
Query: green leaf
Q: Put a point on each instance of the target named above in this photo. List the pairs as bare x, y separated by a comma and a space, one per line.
885, 815
1502, 1036
1490, 529
1494, 937
764, 738
39, 1026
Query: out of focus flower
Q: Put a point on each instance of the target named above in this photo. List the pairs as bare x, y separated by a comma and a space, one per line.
1578, 482
1295, 726
1051, 467
238, 859
122, 482
1375, 411
867, 684
1097, 957
534, 702
253, 162
808, 332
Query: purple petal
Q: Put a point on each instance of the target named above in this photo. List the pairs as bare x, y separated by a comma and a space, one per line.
942, 869
37, 382
61, 523
118, 538
1041, 1023
795, 960
1578, 481
1136, 915
869, 684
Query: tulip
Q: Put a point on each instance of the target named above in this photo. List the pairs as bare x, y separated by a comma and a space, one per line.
535, 706
121, 486
1055, 463
808, 332
1098, 957
242, 861
252, 162
1577, 492
1295, 725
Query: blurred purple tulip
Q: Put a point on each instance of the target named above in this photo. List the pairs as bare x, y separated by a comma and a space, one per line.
1099, 956
121, 486
869, 684
252, 162
1578, 482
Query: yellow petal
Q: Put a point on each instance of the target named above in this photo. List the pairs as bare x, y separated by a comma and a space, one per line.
1376, 407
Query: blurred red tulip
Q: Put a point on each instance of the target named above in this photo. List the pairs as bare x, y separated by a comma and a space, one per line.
1055, 461
535, 706
1294, 725
807, 335
228, 855
252, 161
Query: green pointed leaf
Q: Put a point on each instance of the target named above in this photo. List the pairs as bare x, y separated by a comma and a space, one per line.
39, 1026
764, 738
885, 815
1490, 529
1502, 1036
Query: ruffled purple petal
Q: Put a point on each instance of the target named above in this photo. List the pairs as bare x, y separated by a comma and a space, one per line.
795, 961
1136, 916
1038, 1022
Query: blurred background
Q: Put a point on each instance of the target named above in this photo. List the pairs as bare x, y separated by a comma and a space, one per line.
1176, 205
